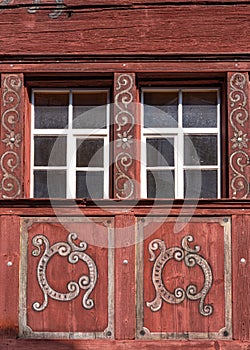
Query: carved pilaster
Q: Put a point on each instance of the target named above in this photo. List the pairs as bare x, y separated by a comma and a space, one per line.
238, 131
126, 129
11, 134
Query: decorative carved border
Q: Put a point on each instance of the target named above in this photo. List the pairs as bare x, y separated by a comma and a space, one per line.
188, 256
11, 136
238, 133
87, 282
124, 122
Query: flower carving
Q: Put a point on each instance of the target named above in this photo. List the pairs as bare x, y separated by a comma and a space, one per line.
12, 139
239, 140
124, 140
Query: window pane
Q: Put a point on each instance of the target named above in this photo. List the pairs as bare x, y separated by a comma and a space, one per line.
50, 184
86, 113
51, 110
206, 180
160, 109
160, 184
89, 153
50, 150
199, 109
89, 184
160, 152
200, 149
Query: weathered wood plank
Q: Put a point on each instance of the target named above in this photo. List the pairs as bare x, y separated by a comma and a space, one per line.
21, 344
138, 64
9, 275
203, 29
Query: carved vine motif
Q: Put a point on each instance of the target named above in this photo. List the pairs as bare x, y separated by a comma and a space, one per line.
10, 159
191, 258
57, 12
124, 121
74, 253
239, 116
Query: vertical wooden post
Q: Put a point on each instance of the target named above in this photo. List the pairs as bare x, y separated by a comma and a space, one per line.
238, 135
126, 137
241, 273
125, 314
9, 275
11, 131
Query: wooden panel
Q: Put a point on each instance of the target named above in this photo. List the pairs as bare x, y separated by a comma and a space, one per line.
67, 286
241, 273
11, 131
168, 29
126, 137
184, 288
125, 316
9, 275
238, 133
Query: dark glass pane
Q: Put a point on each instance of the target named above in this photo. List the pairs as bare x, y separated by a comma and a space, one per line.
89, 153
160, 152
51, 110
50, 150
89, 184
86, 113
200, 149
49, 184
200, 183
160, 109
160, 184
199, 109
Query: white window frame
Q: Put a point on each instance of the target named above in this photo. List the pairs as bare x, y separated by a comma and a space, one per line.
72, 135
178, 134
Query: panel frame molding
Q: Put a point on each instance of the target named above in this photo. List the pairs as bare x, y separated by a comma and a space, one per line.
224, 333
24, 330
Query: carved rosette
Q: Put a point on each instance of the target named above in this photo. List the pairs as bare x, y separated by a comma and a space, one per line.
74, 254
238, 135
11, 136
191, 258
124, 123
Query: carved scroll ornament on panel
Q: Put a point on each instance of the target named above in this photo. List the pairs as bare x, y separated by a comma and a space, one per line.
10, 161
124, 123
239, 121
191, 258
74, 253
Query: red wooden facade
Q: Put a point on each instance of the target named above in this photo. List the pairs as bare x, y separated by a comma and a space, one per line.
124, 272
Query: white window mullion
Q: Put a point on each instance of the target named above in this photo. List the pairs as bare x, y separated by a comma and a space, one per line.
179, 149
219, 145
32, 155
71, 153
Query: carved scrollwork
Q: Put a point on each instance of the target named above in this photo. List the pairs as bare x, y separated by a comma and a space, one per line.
239, 116
10, 160
57, 12
191, 258
74, 253
59, 6
124, 122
